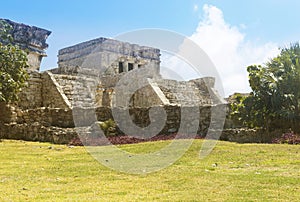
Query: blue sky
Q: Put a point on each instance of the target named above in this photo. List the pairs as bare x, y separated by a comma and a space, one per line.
248, 31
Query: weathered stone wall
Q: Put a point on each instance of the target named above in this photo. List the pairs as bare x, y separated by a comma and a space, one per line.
31, 96
39, 124
7, 113
79, 90
109, 56
52, 93
140, 117
37, 132
55, 96
82, 90
34, 61
41, 114
32, 39
148, 96
42, 91
57, 125
86, 88
185, 93
47, 117
57, 117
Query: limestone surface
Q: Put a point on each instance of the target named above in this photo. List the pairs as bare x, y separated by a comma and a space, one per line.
93, 80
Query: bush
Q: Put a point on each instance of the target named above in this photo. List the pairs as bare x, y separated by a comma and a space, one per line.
93, 138
13, 65
108, 127
287, 138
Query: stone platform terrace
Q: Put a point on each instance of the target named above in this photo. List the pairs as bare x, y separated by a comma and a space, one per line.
86, 80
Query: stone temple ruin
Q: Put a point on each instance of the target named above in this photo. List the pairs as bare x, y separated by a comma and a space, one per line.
92, 78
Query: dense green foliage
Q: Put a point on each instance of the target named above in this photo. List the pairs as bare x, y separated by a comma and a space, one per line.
108, 127
13, 64
275, 96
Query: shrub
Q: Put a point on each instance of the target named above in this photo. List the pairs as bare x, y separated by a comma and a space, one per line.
287, 138
108, 127
13, 65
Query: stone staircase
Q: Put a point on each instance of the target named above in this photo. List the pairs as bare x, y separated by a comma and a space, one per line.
80, 90
184, 93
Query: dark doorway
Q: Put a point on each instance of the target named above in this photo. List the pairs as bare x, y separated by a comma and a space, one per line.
130, 66
121, 67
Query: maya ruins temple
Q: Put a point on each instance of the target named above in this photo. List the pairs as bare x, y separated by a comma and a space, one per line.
86, 80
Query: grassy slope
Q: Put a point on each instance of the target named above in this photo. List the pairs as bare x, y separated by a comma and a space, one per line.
244, 172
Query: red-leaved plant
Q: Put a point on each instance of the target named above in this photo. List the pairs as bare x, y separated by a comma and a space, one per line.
287, 138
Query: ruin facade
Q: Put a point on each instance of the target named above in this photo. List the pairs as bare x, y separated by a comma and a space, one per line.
31, 39
93, 77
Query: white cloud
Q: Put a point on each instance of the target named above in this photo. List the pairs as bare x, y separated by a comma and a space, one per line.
229, 50
196, 7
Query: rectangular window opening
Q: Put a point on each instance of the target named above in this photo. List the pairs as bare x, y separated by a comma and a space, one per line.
130, 66
121, 68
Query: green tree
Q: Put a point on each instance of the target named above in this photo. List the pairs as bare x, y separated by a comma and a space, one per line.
241, 105
13, 64
275, 96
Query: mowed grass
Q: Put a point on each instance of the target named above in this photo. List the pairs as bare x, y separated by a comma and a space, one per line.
32, 171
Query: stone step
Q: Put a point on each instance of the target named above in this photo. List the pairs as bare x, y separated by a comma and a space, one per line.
184, 93
79, 91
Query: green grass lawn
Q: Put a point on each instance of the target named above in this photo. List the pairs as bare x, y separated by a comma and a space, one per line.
32, 171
